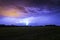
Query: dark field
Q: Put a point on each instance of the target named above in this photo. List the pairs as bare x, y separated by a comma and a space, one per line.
29, 33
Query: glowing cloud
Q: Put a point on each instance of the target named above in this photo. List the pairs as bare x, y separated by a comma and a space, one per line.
13, 11
26, 21
10, 13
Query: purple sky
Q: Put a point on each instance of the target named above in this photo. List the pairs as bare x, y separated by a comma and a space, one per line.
30, 12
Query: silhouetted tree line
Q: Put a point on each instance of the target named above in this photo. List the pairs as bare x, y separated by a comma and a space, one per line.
2, 25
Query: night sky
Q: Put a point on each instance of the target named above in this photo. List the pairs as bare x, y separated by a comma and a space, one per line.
30, 12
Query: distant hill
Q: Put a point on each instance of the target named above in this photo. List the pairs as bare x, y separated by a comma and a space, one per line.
2, 25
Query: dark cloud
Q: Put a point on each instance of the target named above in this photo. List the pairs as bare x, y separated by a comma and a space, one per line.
42, 2
53, 5
30, 2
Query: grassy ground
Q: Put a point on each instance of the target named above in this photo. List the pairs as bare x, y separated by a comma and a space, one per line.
30, 33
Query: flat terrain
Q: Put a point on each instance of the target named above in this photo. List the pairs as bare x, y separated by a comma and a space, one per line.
29, 33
